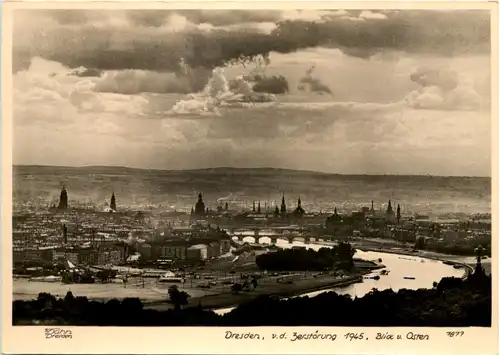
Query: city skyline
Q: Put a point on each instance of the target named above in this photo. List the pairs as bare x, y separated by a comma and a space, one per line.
418, 104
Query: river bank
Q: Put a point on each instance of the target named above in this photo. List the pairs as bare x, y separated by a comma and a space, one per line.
421, 254
220, 297
298, 287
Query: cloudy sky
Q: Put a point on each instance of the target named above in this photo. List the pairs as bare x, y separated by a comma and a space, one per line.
365, 92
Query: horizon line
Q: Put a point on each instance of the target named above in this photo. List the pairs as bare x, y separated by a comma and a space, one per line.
248, 168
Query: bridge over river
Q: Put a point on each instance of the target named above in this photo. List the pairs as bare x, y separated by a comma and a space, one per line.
305, 234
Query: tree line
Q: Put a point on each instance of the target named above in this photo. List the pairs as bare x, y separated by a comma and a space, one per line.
452, 302
302, 259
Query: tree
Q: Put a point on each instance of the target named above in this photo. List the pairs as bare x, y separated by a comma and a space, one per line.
132, 305
177, 298
420, 243
105, 275
45, 300
69, 297
235, 288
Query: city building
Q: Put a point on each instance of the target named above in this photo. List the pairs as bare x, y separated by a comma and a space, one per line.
389, 214
213, 250
225, 245
199, 211
63, 200
112, 204
299, 211
145, 251
197, 252
283, 206
173, 251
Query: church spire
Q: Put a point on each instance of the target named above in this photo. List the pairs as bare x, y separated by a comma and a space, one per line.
299, 210
63, 199
283, 204
199, 208
112, 204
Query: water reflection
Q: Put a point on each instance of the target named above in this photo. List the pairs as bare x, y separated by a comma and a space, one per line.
425, 271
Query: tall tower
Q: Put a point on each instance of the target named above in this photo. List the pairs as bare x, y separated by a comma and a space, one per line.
479, 251
253, 206
65, 234
299, 210
283, 205
63, 199
389, 208
398, 213
113, 202
199, 208
258, 208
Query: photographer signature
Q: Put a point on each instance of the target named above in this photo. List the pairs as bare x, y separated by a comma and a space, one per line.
58, 333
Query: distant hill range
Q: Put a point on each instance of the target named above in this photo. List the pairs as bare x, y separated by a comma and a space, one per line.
104, 169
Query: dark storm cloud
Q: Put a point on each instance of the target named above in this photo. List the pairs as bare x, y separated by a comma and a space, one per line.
135, 49
432, 32
155, 18
146, 44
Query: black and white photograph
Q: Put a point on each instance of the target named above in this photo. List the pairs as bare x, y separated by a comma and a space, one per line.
253, 167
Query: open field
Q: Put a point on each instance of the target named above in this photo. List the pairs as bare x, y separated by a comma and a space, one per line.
152, 291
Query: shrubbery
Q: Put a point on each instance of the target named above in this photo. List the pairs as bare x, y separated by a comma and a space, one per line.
303, 259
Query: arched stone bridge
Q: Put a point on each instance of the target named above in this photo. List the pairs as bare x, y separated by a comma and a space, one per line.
274, 238
266, 230
290, 233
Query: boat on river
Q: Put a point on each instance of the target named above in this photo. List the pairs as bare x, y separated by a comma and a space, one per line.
409, 278
384, 272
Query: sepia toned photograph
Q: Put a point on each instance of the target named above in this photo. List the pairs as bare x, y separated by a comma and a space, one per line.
242, 168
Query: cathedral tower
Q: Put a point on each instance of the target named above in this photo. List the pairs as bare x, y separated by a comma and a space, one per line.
112, 205
63, 199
